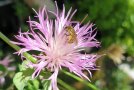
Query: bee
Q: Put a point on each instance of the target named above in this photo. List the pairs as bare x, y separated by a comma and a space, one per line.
72, 36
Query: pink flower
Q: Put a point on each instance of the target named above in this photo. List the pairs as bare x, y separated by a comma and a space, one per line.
59, 42
6, 63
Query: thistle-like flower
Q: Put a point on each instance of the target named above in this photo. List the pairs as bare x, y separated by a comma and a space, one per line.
59, 42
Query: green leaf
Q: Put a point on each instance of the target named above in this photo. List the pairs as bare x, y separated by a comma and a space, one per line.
3, 70
33, 85
20, 81
46, 84
26, 70
36, 84
45, 74
23, 65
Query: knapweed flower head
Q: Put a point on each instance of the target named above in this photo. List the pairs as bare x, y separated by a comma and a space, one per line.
59, 42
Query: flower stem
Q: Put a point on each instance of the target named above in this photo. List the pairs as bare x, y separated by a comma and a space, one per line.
5, 39
65, 85
17, 48
79, 79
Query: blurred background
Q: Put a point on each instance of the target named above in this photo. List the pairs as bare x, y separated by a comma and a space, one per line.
115, 26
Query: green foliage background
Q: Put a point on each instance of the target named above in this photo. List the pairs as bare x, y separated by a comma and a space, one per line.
114, 19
